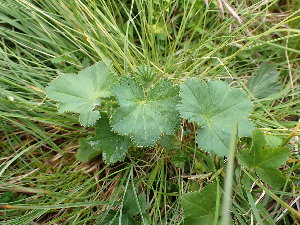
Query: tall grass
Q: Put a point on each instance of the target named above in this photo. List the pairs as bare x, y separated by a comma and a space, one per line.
179, 39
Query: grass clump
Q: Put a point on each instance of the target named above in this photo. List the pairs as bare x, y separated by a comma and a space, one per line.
41, 180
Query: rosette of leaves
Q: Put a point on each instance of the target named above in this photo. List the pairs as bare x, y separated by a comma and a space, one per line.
83, 92
215, 107
145, 113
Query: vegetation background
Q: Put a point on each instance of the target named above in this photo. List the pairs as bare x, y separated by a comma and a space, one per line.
41, 180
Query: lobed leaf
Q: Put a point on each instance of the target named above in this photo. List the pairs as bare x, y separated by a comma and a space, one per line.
271, 176
265, 160
215, 107
145, 116
273, 141
83, 92
200, 207
113, 146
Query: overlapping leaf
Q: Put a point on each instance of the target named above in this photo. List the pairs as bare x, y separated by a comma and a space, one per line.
265, 160
215, 107
86, 153
145, 116
83, 92
113, 146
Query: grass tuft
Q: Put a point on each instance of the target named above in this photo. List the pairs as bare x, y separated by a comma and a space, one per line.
40, 180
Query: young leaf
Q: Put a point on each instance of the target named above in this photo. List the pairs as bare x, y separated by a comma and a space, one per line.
113, 146
83, 92
145, 116
264, 160
215, 107
200, 207
86, 153
144, 75
266, 82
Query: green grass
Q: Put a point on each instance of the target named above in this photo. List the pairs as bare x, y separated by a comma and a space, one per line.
39, 174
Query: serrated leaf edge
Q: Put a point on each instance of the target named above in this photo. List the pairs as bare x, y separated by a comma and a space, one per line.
94, 106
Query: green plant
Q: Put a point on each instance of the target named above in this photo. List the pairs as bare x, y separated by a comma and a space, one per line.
83, 93
265, 82
215, 107
148, 108
179, 39
131, 206
265, 160
200, 207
